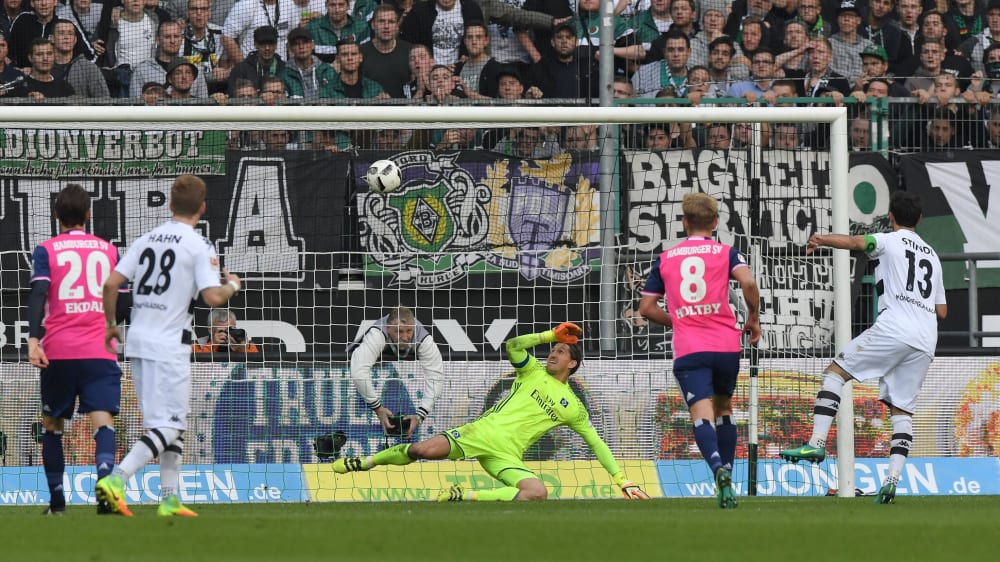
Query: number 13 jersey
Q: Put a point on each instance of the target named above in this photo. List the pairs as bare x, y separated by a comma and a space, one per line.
169, 266
909, 283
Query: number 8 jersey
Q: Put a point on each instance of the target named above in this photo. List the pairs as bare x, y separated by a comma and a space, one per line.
168, 266
694, 277
909, 283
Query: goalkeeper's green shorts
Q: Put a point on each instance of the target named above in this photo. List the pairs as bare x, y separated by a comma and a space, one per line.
470, 442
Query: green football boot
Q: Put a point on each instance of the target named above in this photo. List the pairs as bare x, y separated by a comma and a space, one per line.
804, 453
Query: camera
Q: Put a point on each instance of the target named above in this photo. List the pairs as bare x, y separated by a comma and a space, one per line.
328, 446
402, 425
237, 335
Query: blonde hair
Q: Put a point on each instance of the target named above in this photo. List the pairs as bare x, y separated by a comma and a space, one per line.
187, 195
700, 210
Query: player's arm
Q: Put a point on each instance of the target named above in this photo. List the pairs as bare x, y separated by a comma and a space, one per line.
604, 455
363, 358
517, 347
109, 296
649, 307
219, 295
841, 241
433, 366
652, 292
941, 300
124, 302
751, 295
40, 282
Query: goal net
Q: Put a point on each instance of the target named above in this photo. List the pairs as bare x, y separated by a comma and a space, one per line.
509, 220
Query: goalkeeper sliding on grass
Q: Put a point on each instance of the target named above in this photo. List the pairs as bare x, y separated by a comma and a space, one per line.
540, 400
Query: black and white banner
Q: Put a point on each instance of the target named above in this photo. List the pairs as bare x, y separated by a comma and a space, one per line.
960, 192
783, 200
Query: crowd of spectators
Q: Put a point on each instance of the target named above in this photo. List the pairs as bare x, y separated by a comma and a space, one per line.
944, 54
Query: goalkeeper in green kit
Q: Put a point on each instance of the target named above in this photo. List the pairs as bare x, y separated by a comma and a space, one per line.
539, 400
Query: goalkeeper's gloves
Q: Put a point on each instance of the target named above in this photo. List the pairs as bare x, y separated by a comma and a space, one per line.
630, 489
567, 332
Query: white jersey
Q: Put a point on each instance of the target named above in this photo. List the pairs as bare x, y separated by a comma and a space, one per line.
909, 283
169, 266
369, 349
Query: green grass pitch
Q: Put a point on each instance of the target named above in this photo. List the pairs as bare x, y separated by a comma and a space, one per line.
809, 529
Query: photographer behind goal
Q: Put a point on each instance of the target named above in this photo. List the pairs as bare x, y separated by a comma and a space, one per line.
224, 335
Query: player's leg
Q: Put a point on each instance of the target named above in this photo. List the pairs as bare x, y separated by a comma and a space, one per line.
54, 463
519, 483
899, 389
173, 383
163, 410
824, 411
694, 377
724, 375
58, 394
866, 357
100, 400
435, 448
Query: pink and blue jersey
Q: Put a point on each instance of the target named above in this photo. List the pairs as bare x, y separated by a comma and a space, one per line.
75, 264
694, 276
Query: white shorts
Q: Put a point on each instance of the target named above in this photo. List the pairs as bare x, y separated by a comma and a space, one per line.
900, 368
164, 391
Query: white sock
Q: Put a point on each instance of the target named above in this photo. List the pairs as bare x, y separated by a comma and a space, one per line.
899, 446
170, 470
148, 447
827, 404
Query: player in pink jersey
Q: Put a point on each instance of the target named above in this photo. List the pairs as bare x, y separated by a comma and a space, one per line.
694, 277
66, 289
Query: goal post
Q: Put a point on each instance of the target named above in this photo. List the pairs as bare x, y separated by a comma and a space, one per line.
395, 261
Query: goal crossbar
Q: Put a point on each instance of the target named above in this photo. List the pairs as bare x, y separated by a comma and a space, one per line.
410, 117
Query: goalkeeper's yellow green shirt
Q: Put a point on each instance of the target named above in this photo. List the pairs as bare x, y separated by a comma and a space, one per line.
537, 403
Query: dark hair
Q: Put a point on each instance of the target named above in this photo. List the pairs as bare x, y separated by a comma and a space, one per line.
988, 50
72, 204
346, 41
165, 23
722, 40
385, 7
876, 79
475, 23
39, 41
905, 208
146, 87
674, 33
575, 353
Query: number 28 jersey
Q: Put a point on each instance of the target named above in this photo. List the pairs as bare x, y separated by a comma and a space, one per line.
169, 266
694, 278
909, 283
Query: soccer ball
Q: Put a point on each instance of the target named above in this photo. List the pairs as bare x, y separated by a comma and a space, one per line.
384, 176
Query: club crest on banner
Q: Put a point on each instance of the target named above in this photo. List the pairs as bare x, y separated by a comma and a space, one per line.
497, 215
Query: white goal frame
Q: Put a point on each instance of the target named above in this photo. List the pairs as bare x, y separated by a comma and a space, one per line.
416, 117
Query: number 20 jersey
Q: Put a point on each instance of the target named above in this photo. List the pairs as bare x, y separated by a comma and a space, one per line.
909, 283
76, 264
168, 266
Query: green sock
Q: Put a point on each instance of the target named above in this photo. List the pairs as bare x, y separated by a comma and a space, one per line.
393, 455
506, 494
